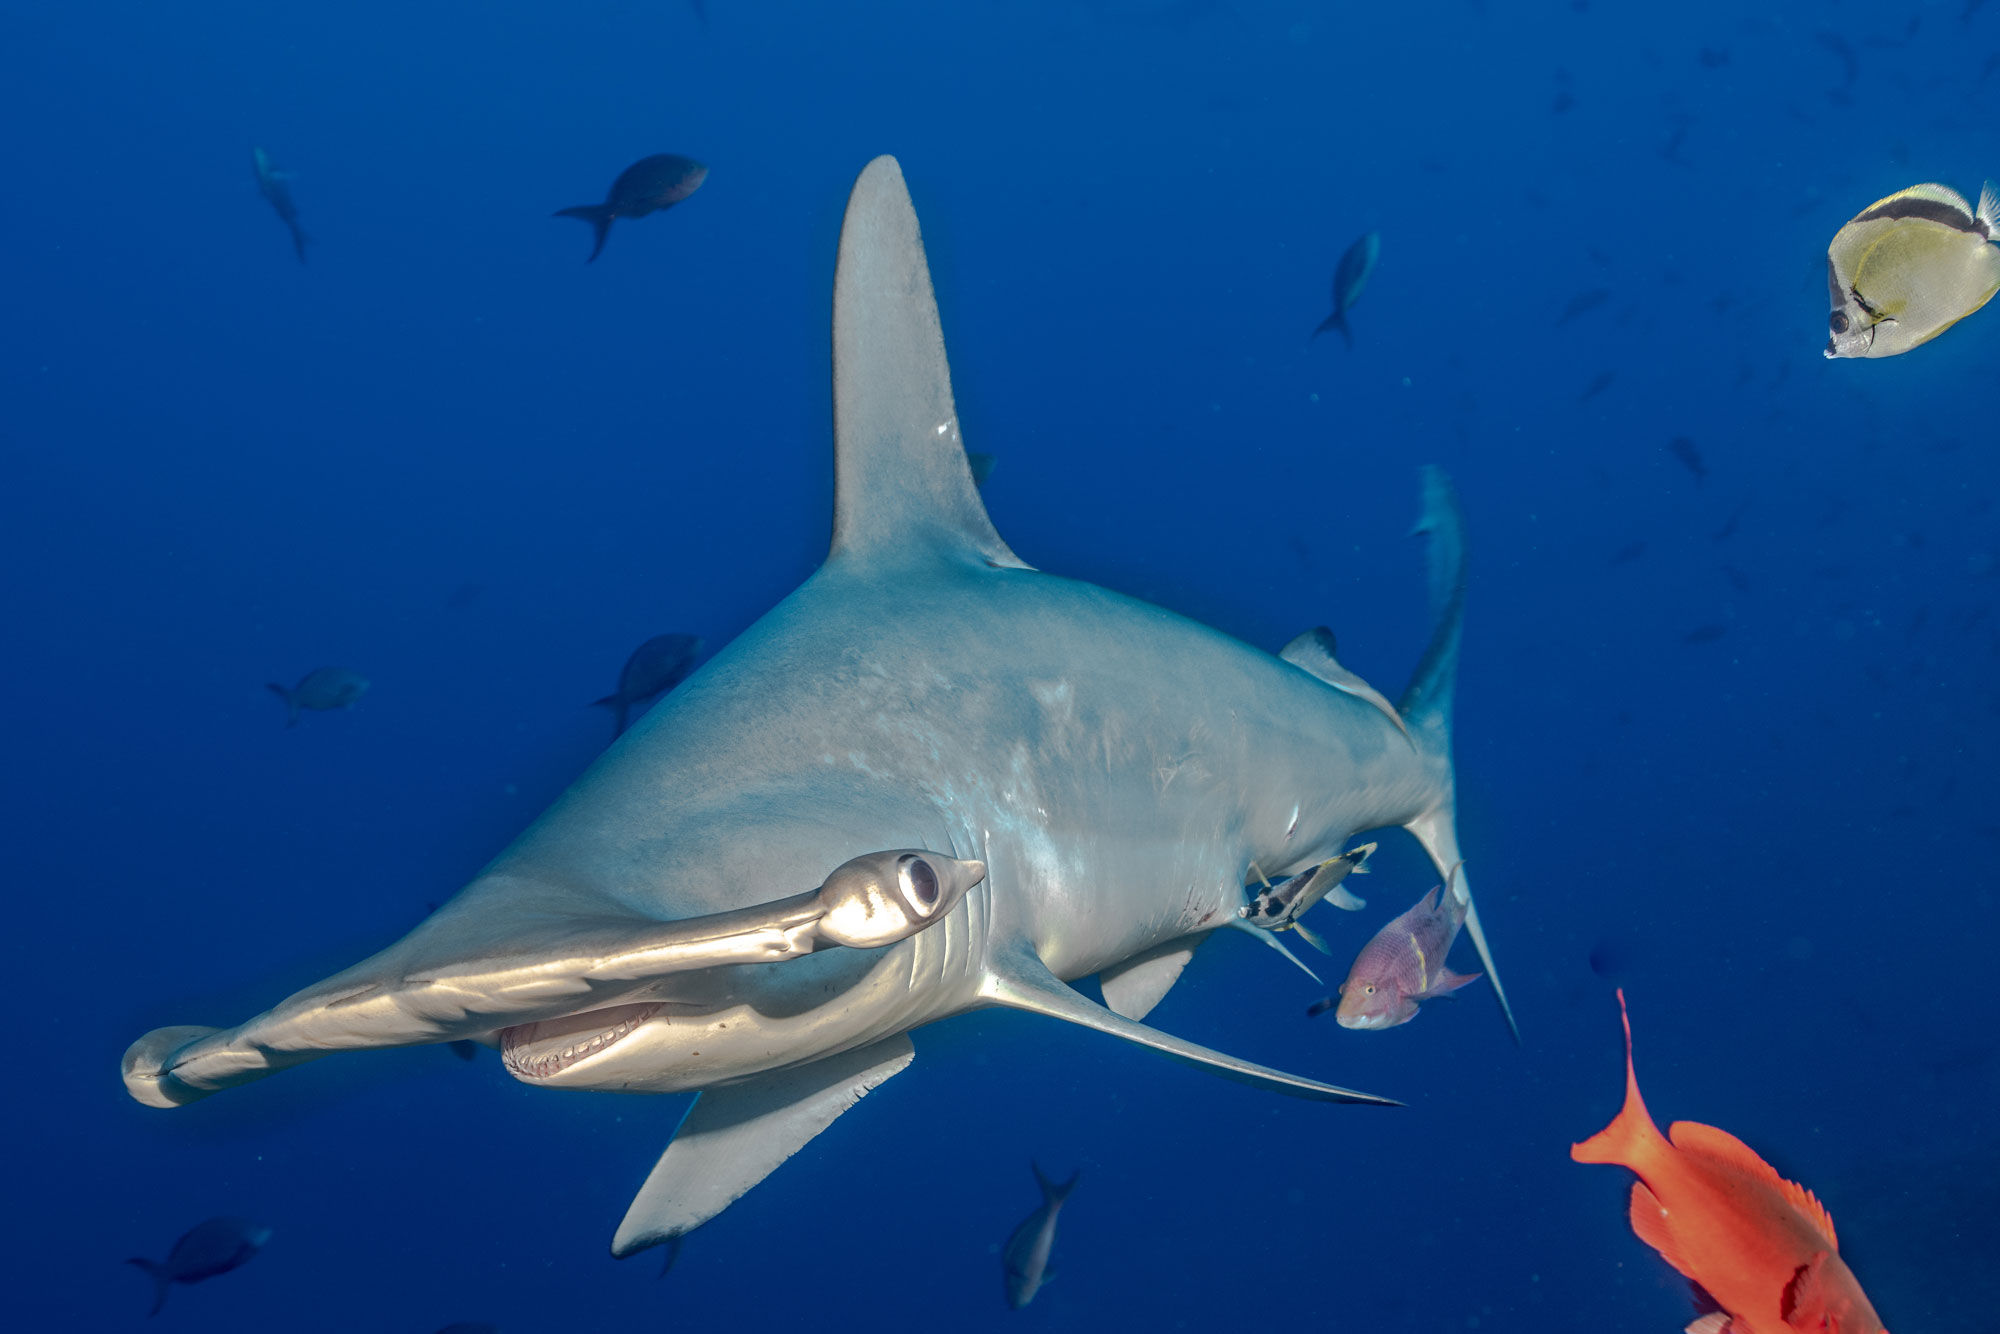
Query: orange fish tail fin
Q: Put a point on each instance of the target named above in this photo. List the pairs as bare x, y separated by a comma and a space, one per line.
1631, 1139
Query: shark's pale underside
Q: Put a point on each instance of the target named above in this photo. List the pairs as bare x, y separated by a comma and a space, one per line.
1013, 778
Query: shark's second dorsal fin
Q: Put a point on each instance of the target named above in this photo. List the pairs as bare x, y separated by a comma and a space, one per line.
901, 481
1019, 980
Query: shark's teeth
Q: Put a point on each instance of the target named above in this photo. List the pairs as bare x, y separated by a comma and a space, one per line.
545, 1049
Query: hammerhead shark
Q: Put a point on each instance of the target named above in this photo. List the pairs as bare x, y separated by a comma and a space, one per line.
933, 779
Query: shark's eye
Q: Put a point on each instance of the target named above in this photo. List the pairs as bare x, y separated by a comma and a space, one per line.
920, 884
1839, 321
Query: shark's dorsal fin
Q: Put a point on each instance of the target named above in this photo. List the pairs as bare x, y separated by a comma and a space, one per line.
735, 1136
901, 481
1021, 981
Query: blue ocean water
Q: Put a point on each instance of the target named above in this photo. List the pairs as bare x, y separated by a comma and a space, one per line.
1721, 740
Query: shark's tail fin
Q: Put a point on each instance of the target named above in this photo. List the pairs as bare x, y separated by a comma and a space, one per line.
1426, 704
162, 1277
291, 702
599, 216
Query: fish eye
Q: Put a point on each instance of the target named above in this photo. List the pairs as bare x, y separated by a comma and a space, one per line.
920, 884
1368, 990
1839, 321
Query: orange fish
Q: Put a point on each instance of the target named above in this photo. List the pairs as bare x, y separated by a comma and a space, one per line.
1760, 1246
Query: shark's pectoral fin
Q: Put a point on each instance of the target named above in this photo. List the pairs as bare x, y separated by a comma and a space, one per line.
735, 1136
1134, 987
1023, 982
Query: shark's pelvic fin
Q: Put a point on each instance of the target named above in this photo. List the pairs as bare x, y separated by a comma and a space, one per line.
901, 480
1134, 987
1021, 981
735, 1136
1426, 703
1312, 653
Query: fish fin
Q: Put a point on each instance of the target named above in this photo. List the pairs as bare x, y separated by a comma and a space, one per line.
1027, 984
1721, 1147
1270, 938
735, 1136
982, 466
1312, 653
1448, 982
1311, 937
621, 709
1649, 1223
670, 1252
1989, 210
163, 1281
1715, 1322
1054, 1192
291, 702
1134, 987
1337, 320
1631, 1139
599, 216
902, 480
1426, 705
1805, 1293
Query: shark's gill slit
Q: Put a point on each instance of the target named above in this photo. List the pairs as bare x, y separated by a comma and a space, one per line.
550, 1046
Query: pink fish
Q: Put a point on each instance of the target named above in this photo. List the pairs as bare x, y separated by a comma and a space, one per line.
1403, 965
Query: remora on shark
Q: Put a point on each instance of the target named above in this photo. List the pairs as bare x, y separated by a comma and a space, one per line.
1000, 779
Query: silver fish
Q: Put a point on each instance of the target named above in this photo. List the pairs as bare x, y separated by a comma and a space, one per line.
1024, 1260
321, 689
205, 1250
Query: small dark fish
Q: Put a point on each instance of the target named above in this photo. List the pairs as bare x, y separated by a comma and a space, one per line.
1670, 151
1348, 280
655, 667
276, 188
701, 12
320, 689
670, 1251
1403, 965
1598, 384
1737, 579
1024, 1259
1564, 101
1713, 57
207, 1249
1704, 634
1850, 63
1683, 449
1582, 304
1625, 555
647, 186
1986, 70
465, 1049
981, 465
1730, 524
465, 595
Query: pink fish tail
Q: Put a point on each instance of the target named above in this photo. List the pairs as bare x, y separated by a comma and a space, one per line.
1631, 1140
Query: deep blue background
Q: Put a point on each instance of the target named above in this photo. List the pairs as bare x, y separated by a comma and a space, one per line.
448, 454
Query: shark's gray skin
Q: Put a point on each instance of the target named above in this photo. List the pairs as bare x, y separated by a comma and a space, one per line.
1109, 769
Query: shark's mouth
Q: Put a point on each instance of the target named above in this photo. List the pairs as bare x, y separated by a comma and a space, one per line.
548, 1047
